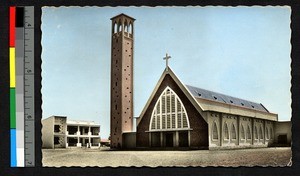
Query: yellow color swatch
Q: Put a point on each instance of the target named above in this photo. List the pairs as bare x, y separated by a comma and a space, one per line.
12, 67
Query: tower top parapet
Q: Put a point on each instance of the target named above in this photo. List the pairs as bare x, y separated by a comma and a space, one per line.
122, 15
122, 24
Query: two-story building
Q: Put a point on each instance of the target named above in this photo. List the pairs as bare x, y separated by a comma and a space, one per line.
59, 132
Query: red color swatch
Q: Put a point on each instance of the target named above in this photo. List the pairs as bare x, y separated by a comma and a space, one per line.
12, 26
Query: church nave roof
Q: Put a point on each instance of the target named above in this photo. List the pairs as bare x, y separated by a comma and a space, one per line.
214, 96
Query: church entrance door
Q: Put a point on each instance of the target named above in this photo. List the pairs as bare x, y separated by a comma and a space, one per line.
155, 139
282, 139
169, 139
183, 139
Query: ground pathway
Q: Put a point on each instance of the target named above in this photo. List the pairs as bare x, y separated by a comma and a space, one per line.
104, 157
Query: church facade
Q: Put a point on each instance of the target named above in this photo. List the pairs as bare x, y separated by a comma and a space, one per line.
178, 115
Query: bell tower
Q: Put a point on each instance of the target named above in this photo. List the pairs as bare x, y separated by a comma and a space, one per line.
121, 105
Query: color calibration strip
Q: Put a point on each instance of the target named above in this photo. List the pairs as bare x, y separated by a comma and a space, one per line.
21, 60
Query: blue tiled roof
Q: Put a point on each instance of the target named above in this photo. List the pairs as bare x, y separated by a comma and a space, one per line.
214, 96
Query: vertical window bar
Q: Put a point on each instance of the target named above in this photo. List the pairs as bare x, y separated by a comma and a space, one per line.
163, 121
168, 103
171, 107
168, 120
160, 114
176, 115
181, 117
163, 103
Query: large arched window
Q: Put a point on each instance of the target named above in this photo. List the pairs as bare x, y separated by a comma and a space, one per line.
169, 113
226, 133
233, 132
248, 132
215, 131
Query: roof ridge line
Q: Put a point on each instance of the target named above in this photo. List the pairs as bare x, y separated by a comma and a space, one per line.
250, 101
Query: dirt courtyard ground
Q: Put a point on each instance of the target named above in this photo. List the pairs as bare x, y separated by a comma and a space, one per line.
103, 157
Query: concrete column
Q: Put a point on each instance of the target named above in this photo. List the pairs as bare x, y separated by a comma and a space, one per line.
89, 132
221, 130
161, 140
65, 141
66, 138
176, 139
264, 132
238, 129
252, 128
253, 132
150, 140
78, 133
189, 138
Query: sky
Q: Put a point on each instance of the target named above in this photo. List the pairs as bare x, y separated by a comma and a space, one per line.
238, 51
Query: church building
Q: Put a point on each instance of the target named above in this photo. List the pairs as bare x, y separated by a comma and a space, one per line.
178, 115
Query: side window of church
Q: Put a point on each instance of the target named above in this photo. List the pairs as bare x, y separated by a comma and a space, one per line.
255, 132
233, 132
226, 134
215, 131
267, 133
242, 132
248, 132
261, 133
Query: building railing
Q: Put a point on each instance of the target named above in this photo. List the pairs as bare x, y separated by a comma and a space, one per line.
72, 144
95, 144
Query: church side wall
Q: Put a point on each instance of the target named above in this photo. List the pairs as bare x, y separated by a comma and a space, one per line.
269, 132
214, 119
245, 136
230, 131
258, 135
142, 137
283, 129
198, 134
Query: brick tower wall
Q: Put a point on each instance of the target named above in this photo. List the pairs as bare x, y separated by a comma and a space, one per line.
121, 78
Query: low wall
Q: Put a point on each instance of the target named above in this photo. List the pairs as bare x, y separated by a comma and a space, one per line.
129, 140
